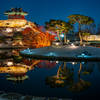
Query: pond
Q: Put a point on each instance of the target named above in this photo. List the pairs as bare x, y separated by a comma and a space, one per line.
43, 78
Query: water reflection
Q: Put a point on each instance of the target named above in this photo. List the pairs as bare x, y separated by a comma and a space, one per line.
81, 84
57, 76
15, 66
62, 78
65, 78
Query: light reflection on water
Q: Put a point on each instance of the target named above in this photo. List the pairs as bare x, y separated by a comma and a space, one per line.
48, 78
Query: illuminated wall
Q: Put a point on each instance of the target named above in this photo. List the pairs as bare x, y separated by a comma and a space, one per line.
13, 23
92, 38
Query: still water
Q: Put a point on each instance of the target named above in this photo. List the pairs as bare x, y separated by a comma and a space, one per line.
48, 78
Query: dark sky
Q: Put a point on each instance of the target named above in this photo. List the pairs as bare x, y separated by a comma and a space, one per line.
41, 11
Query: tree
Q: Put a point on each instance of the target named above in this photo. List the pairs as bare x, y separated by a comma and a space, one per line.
81, 84
59, 27
33, 39
85, 35
81, 20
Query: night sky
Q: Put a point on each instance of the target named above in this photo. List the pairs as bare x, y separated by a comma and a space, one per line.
41, 11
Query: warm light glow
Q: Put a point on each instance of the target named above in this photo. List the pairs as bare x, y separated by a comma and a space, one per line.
73, 46
19, 29
73, 63
9, 63
9, 30
13, 23
57, 44
57, 62
84, 45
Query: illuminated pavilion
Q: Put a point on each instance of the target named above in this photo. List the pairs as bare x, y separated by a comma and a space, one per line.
16, 13
16, 23
16, 20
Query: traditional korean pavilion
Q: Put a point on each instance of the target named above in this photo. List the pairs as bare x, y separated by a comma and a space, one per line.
16, 13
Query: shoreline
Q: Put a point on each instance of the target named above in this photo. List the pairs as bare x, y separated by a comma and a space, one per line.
62, 54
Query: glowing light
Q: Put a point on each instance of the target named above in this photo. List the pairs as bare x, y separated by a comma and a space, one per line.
57, 44
73, 63
29, 51
9, 63
83, 62
84, 45
51, 54
73, 46
84, 55
9, 30
68, 40
62, 35
57, 62
19, 29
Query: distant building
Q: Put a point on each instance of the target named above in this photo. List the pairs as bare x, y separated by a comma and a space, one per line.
92, 38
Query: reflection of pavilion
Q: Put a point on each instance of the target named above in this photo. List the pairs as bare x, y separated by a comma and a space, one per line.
5, 53
16, 78
18, 69
17, 72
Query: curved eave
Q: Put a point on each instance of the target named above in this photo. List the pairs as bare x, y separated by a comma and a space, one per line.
16, 13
